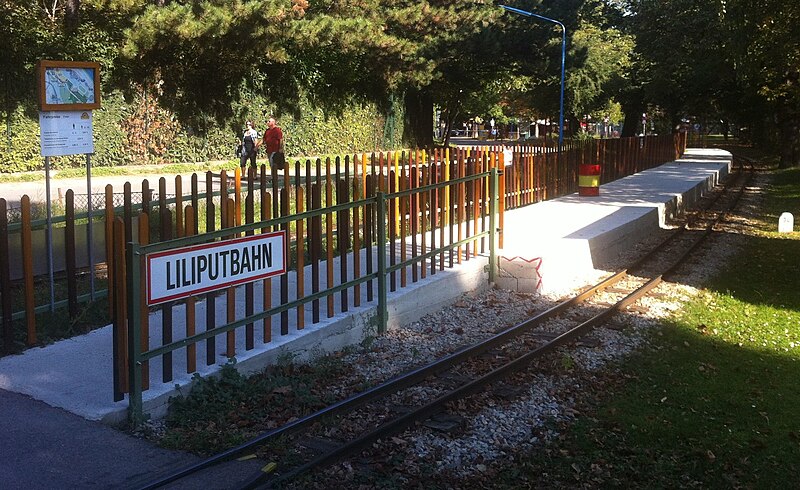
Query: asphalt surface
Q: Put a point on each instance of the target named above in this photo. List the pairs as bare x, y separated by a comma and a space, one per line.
47, 448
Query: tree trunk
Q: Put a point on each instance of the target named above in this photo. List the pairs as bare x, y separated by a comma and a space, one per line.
71, 17
574, 125
450, 117
675, 122
789, 128
418, 124
633, 115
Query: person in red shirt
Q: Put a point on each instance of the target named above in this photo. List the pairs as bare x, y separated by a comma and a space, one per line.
273, 140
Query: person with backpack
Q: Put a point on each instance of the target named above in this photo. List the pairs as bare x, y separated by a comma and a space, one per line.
273, 140
249, 146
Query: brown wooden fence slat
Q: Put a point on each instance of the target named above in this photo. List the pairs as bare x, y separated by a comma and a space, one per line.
229, 212
179, 231
469, 247
224, 195
342, 218
237, 195
297, 176
461, 202
27, 268
315, 237
127, 211
440, 204
211, 304
275, 193
392, 226
308, 185
478, 188
249, 218
284, 282
450, 194
329, 246
356, 243
146, 197
423, 229
300, 281
444, 211
404, 205
501, 203
166, 309
191, 316
266, 214
5, 280
414, 215
196, 203
120, 329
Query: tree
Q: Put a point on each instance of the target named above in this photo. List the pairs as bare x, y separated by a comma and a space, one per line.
370, 49
764, 42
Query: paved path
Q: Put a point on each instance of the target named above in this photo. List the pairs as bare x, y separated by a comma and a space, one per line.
48, 448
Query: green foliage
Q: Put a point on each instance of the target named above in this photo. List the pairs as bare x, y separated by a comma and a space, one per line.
606, 61
19, 152
139, 132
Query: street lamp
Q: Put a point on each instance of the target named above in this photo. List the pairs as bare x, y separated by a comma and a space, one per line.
563, 57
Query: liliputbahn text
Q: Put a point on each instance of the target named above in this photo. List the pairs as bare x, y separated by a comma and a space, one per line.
183, 272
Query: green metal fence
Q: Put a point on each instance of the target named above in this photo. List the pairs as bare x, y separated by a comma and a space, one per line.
384, 218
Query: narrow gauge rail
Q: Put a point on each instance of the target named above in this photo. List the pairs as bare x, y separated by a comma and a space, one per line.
512, 350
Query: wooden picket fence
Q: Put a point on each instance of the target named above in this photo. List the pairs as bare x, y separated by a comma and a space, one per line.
536, 173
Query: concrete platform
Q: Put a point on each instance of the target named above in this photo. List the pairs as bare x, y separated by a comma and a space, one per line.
547, 243
550, 244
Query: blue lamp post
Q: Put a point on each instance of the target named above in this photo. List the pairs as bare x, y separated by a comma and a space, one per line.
563, 57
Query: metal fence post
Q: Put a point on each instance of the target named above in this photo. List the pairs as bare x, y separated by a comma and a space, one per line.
383, 309
135, 413
493, 225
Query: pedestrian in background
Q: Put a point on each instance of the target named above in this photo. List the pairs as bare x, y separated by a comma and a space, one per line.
249, 146
273, 140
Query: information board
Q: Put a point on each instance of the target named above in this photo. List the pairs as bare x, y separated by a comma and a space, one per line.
65, 133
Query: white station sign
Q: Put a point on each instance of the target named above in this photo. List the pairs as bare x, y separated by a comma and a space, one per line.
183, 272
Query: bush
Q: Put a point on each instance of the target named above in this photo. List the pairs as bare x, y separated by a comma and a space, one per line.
139, 131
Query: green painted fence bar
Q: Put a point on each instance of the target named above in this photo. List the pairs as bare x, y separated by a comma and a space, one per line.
136, 254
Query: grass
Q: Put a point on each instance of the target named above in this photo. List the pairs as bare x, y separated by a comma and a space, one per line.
71, 173
714, 404
172, 168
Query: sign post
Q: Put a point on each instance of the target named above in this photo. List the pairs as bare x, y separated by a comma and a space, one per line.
68, 92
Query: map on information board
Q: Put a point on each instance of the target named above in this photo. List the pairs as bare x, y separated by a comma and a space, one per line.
69, 85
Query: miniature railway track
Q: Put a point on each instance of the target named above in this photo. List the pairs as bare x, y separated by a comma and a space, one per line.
473, 368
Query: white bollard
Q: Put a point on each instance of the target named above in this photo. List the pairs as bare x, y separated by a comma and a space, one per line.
786, 223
